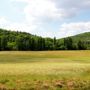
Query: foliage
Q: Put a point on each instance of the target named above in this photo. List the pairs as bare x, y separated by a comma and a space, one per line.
11, 40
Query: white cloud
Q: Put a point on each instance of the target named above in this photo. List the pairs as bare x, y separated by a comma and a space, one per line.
7, 24
66, 29
53, 9
69, 29
19, 0
37, 12
2, 21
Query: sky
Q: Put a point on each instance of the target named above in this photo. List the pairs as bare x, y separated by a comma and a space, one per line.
46, 18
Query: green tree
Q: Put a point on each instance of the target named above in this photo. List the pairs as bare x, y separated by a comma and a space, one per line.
81, 45
3, 42
19, 43
68, 43
11, 45
54, 43
33, 44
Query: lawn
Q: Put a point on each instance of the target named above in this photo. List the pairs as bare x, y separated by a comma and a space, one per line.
45, 70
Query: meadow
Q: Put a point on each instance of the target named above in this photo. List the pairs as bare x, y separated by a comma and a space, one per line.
45, 70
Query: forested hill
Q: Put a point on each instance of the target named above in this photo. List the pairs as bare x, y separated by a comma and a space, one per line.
14, 40
83, 37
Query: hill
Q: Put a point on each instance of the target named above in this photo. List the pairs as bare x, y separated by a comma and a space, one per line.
82, 37
14, 40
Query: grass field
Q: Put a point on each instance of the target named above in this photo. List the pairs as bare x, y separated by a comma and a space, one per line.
45, 70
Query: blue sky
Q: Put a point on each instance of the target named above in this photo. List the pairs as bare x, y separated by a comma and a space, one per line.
47, 18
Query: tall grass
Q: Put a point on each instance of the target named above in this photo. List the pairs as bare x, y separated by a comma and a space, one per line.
46, 70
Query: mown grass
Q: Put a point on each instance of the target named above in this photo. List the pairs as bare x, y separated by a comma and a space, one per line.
45, 70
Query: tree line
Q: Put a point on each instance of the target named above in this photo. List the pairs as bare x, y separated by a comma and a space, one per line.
11, 40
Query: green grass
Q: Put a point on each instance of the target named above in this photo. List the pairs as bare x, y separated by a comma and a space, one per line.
45, 70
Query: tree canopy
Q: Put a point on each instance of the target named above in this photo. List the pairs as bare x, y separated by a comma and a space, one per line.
12, 40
